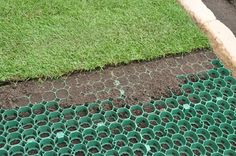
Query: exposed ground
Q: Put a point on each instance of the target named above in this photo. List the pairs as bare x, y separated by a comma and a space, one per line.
135, 82
224, 11
50, 38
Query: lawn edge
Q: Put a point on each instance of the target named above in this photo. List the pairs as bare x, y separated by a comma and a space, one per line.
220, 36
67, 74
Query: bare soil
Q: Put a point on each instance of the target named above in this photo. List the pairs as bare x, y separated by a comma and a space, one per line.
127, 84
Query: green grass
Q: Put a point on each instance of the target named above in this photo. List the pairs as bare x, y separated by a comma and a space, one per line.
48, 38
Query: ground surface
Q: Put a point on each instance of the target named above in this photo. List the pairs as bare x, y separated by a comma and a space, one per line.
51, 38
224, 11
136, 82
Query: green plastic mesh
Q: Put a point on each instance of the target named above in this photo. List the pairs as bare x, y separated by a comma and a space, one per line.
199, 121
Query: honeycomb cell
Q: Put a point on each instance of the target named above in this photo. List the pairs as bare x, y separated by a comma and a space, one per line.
178, 140
139, 149
214, 131
194, 98
38, 109
184, 150
47, 144
94, 147
210, 146
198, 149
81, 111
172, 103
52, 106
154, 145
147, 133
12, 126
123, 113
89, 134
126, 151
80, 149
85, 122
14, 138
98, 118
16, 150
103, 131
202, 134
41, 119
120, 140
24, 112
54, 117
10, 114
107, 143
116, 128
191, 136
68, 114
29, 134
213, 73
72, 125
154, 119
219, 82
148, 108
134, 137
129, 125
136, 110
177, 114
166, 143
111, 116
32, 148
171, 128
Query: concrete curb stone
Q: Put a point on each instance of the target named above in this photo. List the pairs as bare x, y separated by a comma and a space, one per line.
220, 36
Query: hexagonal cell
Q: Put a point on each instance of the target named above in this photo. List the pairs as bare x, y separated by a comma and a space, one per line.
10, 114
120, 140
213, 73
148, 107
184, 125
38, 109
80, 149
147, 133
85, 122
128, 125
166, 143
103, 131
139, 149
123, 113
107, 144
89, 134
178, 140
68, 113
198, 149
24, 111
93, 147
81, 111
134, 137
184, 150
115, 128
210, 146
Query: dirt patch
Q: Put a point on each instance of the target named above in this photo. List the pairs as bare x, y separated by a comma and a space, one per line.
127, 84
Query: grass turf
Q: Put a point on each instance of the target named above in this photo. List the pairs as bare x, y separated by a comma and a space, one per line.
43, 38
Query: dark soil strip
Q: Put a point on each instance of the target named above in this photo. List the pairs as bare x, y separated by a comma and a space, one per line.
135, 82
224, 11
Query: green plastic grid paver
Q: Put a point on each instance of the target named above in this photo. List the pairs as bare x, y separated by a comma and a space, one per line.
200, 121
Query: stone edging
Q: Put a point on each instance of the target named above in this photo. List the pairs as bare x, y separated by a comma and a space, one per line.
220, 36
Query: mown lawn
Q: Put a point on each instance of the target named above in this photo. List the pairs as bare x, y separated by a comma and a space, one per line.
48, 38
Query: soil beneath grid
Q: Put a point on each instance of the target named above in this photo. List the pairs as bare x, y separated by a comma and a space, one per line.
135, 82
224, 11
